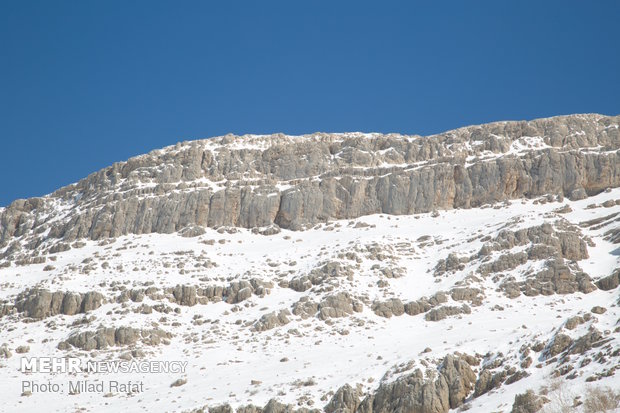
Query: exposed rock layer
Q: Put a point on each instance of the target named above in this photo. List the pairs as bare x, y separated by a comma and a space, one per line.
41, 303
298, 181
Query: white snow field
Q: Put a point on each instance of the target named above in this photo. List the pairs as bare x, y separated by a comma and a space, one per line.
305, 360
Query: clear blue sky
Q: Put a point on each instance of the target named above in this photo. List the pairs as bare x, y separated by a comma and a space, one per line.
86, 83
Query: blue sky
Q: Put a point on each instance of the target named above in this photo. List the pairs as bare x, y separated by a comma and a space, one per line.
84, 84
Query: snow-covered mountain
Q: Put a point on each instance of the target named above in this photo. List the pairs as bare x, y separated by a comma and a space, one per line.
346, 272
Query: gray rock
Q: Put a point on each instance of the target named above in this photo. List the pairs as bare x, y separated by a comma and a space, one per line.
5, 353
249, 409
305, 308
439, 313
546, 242
105, 337
556, 278
471, 294
488, 380
527, 402
360, 180
72, 304
388, 308
22, 349
328, 272
558, 344
272, 320
345, 400
423, 305
504, 262
578, 194
243, 294
610, 282
185, 295
274, 406
515, 377
417, 307
40, 303
591, 339
413, 393
573, 322
192, 231
224, 408
450, 264
336, 305
91, 301
237, 291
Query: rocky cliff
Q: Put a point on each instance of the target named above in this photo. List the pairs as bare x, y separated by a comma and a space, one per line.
293, 182
474, 270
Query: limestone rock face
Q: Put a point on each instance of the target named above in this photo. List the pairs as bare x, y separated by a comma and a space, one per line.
5, 353
305, 307
439, 313
274, 406
105, 337
336, 305
259, 181
185, 295
610, 282
488, 381
325, 273
40, 303
189, 295
345, 400
527, 402
389, 308
412, 393
559, 344
280, 321
271, 320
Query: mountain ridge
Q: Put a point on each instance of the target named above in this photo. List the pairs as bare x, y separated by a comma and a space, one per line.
297, 182
477, 270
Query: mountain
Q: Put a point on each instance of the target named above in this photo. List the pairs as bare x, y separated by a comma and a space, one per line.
344, 272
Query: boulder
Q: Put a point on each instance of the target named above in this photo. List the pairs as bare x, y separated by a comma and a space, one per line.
345, 400
272, 320
413, 393
388, 308
41, 303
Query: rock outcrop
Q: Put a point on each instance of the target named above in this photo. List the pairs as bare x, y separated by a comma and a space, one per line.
298, 181
413, 393
346, 400
272, 406
330, 271
439, 313
610, 282
272, 320
234, 293
337, 305
528, 402
105, 337
388, 308
40, 303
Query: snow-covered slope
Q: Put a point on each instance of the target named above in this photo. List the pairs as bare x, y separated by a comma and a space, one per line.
523, 293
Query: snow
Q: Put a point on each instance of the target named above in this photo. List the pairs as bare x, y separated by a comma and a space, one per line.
222, 366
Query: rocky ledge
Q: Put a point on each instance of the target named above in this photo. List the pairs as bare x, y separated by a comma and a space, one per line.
294, 182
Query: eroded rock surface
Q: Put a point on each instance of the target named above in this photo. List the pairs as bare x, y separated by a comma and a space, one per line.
41, 303
299, 181
105, 337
